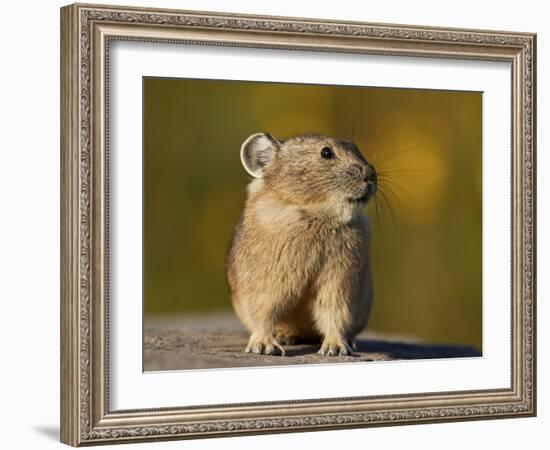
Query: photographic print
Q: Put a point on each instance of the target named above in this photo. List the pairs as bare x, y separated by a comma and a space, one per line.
309, 224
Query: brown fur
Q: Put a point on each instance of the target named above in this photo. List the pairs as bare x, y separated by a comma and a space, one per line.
298, 264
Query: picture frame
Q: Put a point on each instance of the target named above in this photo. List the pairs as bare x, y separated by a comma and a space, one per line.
87, 32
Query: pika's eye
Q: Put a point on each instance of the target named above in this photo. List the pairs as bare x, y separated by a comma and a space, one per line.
327, 153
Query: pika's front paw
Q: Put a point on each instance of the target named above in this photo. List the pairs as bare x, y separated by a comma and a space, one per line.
335, 347
265, 345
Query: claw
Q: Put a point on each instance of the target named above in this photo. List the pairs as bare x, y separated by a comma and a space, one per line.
343, 351
335, 348
281, 349
257, 350
264, 346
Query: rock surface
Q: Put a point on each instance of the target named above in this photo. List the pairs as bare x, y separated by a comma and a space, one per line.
219, 342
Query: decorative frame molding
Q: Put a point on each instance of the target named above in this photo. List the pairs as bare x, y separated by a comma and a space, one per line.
86, 31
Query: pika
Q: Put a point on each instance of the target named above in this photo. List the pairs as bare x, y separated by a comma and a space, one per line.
298, 264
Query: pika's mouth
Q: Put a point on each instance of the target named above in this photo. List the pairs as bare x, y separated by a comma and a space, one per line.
362, 199
369, 192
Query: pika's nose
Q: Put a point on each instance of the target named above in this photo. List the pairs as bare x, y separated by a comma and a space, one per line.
370, 175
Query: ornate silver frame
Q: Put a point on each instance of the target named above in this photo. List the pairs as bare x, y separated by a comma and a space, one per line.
86, 31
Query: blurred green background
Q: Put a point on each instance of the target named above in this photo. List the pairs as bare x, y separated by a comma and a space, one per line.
426, 252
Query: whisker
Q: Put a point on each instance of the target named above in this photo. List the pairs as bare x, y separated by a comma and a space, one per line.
391, 152
402, 197
391, 204
388, 207
378, 235
399, 181
382, 171
390, 156
391, 180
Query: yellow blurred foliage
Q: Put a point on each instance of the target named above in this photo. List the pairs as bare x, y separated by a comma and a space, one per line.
425, 144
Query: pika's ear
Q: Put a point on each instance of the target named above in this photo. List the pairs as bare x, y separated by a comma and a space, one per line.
257, 151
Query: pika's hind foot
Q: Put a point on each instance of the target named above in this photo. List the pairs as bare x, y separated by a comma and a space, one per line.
264, 345
287, 339
335, 347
